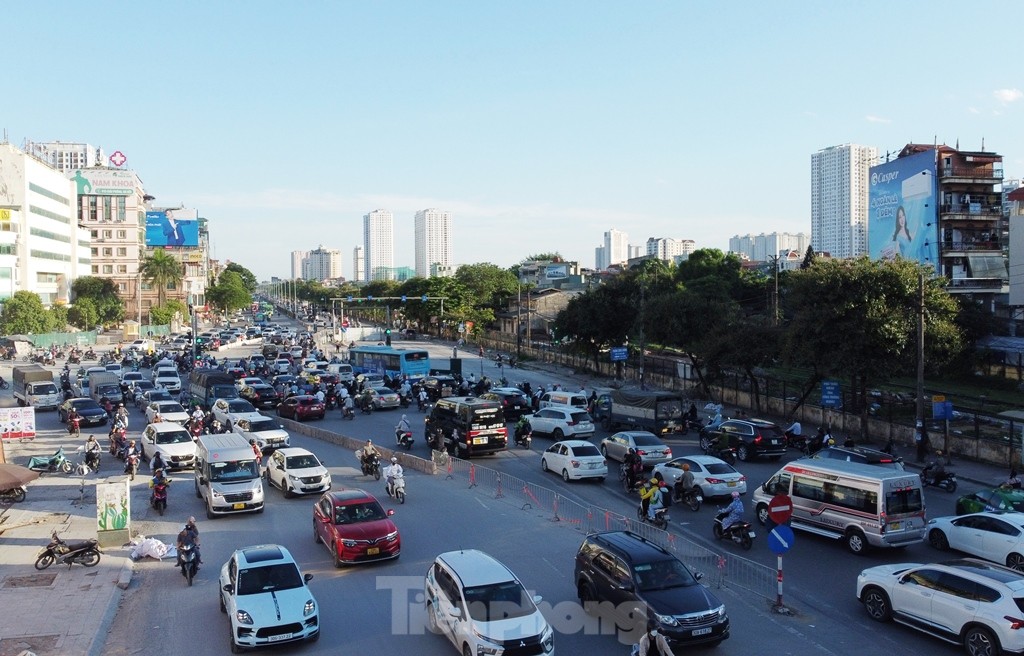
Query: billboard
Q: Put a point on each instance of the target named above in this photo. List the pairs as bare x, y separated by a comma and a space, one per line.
903, 216
556, 271
172, 229
106, 182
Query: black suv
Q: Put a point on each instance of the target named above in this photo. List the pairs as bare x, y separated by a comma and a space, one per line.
512, 401
480, 425
749, 438
630, 571
439, 386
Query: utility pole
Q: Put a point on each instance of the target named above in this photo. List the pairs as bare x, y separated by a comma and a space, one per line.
643, 298
919, 411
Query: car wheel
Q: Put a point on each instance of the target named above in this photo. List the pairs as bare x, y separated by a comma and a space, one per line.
287, 491
235, 647
337, 557
762, 514
855, 542
743, 453
223, 608
316, 535
466, 651
604, 452
979, 641
558, 435
585, 595
543, 464
938, 539
1015, 561
877, 605
565, 475
432, 620
705, 444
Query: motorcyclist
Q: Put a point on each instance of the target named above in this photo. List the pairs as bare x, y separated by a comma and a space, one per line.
402, 427
158, 479
647, 491
122, 415
634, 466
349, 406
659, 500
935, 469
392, 472
691, 414
190, 535
523, 428
653, 642
794, 432
368, 452
156, 463
92, 452
423, 398
735, 510
685, 482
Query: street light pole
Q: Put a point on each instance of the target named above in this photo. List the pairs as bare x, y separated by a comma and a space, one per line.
919, 410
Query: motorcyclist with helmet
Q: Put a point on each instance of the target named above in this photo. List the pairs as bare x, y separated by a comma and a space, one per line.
391, 473
634, 467
659, 499
367, 454
735, 509
685, 482
647, 492
653, 642
190, 535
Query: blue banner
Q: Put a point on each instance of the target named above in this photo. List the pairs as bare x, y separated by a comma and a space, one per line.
166, 230
903, 215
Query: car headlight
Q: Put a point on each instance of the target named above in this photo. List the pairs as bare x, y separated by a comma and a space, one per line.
391, 536
293, 478
349, 543
548, 640
243, 617
309, 608
667, 620
216, 495
487, 645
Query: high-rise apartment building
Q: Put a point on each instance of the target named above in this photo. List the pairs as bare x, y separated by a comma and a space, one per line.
759, 248
297, 258
322, 264
358, 264
668, 249
42, 247
379, 245
433, 229
66, 157
614, 251
839, 199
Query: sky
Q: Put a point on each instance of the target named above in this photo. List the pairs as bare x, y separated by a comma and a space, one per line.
539, 125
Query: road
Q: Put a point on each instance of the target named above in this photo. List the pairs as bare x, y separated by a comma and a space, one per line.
370, 609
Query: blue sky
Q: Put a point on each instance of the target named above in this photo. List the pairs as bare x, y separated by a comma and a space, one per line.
540, 125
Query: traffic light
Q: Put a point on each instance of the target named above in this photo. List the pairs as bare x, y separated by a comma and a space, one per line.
387, 336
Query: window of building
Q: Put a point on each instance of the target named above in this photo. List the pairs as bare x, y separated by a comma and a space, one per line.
94, 234
122, 252
43, 277
171, 285
106, 234
108, 252
121, 204
95, 268
122, 234
122, 288
108, 210
108, 269
122, 268
94, 251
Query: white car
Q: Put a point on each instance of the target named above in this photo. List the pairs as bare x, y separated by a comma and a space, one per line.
967, 602
227, 410
245, 381
281, 366
168, 411
141, 346
132, 377
168, 380
297, 471
295, 351
162, 369
114, 368
995, 536
574, 460
267, 432
266, 598
562, 422
174, 444
714, 477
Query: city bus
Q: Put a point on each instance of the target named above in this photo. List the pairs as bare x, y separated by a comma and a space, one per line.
389, 361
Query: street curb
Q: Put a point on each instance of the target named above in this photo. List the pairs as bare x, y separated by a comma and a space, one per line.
124, 578
99, 642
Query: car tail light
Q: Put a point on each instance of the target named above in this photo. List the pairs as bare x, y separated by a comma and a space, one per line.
571, 422
641, 452
576, 463
715, 481
668, 452
757, 439
743, 479
1015, 623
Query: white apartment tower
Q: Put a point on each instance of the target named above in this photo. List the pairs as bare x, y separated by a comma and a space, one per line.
433, 241
322, 264
759, 248
379, 245
65, 156
668, 249
839, 199
297, 258
358, 264
614, 251
42, 247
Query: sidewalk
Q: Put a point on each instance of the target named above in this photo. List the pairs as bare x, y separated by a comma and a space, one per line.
59, 610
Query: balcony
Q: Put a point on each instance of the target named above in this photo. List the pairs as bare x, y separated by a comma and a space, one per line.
969, 174
953, 248
974, 284
972, 212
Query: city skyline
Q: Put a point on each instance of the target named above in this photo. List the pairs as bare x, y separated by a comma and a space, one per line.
635, 117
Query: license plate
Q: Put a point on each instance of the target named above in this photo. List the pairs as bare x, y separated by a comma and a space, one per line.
700, 632
238, 506
895, 526
287, 636
752, 535
731, 484
479, 440
373, 551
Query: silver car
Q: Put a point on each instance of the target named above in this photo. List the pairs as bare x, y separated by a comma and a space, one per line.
652, 451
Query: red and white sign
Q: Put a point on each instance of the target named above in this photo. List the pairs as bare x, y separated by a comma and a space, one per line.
344, 324
780, 508
118, 159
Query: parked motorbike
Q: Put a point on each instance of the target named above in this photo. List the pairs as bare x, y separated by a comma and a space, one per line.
741, 532
188, 563
86, 553
50, 464
691, 498
661, 518
371, 466
396, 488
945, 480
13, 495
405, 439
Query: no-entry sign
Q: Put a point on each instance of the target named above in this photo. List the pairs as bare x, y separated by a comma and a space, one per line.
780, 508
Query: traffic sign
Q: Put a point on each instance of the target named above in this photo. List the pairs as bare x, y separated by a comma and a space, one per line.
619, 353
780, 508
831, 397
780, 539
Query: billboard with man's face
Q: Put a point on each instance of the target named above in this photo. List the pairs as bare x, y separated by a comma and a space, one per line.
903, 217
172, 229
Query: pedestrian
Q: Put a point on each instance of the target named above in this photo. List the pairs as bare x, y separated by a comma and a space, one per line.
922, 441
455, 351
481, 350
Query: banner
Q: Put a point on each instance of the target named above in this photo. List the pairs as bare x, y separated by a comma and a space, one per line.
903, 216
18, 423
172, 229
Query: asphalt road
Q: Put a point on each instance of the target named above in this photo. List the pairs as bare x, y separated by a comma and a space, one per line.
370, 609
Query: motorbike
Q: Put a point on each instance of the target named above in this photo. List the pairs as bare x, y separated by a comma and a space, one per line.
75, 426
421, 405
741, 532
945, 480
15, 494
371, 466
405, 439
187, 562
396, 488
50, 464
661, 518
131, 465
711, 448
74, 358
158, 499
405, 400
348, 413
86, 553
366, 407
523, 438
89, 355
691, 498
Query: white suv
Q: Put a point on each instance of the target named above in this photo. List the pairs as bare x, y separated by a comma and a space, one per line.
561, 421
968, 602
480, 605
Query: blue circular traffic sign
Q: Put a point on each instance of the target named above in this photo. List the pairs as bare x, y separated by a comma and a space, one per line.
780, 539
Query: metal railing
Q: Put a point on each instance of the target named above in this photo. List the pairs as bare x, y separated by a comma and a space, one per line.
720, 570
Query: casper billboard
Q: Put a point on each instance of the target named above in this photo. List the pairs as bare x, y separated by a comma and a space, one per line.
902, 220
172, 229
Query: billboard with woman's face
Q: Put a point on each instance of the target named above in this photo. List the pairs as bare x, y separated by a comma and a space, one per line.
172, 229
903, 215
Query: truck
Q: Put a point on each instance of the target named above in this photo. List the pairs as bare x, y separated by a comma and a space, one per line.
206, 385
34, 386
105, 385
650, 410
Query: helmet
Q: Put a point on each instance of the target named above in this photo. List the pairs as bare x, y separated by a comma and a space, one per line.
252, 441
369, 441
654, 481
735, 495
662, 484
394, 459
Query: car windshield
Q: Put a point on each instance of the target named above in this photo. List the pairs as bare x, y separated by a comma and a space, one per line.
354, 513
645, 439
302, 462
170, 407
262, 425
663, 574
177, 437
86, 404
498, 601
240, 405
585, 450
272, 578
235, 470
578, 417
159, 395
719, 468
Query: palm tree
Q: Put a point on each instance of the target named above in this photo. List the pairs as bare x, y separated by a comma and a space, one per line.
159, 270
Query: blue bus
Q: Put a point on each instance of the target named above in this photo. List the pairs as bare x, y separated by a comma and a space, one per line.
389, 361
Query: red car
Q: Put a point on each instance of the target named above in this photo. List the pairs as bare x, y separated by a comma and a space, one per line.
355, 528
301, 407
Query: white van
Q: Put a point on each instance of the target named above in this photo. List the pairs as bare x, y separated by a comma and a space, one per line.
227, 475
863, 505
574, 400
343, 371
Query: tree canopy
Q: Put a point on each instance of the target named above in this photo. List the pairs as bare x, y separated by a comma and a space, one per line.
161, 270
95, 301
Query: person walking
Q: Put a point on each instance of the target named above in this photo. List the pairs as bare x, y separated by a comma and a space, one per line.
921, 440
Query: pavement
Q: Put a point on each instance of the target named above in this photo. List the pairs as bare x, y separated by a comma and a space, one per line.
67, 611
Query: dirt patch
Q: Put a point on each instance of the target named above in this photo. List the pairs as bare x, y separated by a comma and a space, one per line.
40, 645
30, 581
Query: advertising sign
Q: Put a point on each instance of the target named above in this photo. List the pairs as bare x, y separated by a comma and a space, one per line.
18, 423
106, 182
172, 229
556, 271
903, 215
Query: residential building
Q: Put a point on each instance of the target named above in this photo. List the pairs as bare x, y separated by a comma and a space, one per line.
66, 157
42, 247
1015, 216
297, 258
759, 248
668, 249
379, 245
358, 264
433, 247
321, 264
839, 199
614, 251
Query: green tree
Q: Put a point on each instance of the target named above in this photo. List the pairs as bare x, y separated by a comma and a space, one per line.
161, 270
248, 279
24, 313
58, 316
163, 315
489, 286
229, 293
84, 313
105, 302
809, 257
